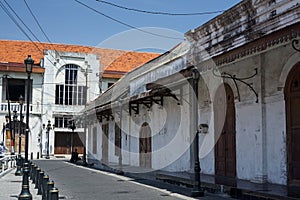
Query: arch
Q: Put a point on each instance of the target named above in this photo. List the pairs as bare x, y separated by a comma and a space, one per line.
145, 146
225, 132
291, 62
292, 106
63, 67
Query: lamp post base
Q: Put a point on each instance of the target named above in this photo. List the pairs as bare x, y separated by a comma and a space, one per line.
47, 157
197, 193
25, 193
19, 166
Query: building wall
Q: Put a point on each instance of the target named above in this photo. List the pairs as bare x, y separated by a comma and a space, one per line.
256, 72
261, 126
35, 114
54, 63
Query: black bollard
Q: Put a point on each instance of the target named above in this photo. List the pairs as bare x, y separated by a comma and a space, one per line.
53, 194
34, 173
44, 188
31, 156
50, 185
37, 175
31, 170
40, 183
38, 155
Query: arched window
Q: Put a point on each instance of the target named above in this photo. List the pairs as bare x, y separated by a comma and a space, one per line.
70, 93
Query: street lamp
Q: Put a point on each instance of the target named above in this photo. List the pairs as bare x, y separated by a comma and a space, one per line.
197, 191
25, 193
72, 126
48, 128
19, 161
5, 125
86, 72
15, 119
3, 131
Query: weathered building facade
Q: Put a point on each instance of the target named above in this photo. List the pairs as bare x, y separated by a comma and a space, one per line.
64, 79
247, 97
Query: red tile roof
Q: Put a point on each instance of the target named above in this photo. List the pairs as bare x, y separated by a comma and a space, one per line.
112, 60
127, 62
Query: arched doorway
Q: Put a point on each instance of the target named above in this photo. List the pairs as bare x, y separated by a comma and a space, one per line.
292, 100
145, 146
225, 148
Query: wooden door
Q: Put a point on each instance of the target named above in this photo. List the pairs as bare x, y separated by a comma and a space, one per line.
64, 140
145, 146
292, 98
62, 143
78, 142
225, 149
105, 143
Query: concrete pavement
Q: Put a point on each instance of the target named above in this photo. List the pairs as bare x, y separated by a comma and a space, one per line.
77, 182
11, 186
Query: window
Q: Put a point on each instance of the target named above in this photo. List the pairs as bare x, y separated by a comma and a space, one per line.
95, 140
62, 122
16, 88
70, 93
109, 84
117, 140
71, 74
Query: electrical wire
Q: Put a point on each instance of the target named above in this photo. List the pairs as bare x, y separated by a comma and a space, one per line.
125, 24
40, 27
17, 24
160, 13
36, 20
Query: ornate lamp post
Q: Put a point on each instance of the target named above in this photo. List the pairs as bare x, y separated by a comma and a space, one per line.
72, 126
3, 132
48, 128
197, 191
25, 193
19, 161
6, 124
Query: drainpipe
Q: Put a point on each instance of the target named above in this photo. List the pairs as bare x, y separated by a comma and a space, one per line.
12, 142
197, 191
120, 155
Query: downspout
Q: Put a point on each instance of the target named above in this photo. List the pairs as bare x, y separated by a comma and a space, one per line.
121, 132
42, 113
12, 142
197, 191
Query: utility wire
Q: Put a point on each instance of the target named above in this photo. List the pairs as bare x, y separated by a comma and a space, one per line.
125, 24
40, 27
21, 20
158, 12
35, 19
17, 24
29, 30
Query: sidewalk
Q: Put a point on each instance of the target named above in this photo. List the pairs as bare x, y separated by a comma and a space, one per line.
236, 188
11, 186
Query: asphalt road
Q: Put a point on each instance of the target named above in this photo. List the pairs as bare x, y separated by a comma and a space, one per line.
76, 182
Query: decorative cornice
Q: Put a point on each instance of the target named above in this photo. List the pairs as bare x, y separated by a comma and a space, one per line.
274, 39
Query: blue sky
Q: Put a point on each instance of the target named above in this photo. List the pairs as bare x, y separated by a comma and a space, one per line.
68, 22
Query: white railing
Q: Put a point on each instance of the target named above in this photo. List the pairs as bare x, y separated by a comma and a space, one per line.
16, 107
7, 163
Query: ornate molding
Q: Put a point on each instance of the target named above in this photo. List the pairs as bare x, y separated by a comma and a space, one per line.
282, 36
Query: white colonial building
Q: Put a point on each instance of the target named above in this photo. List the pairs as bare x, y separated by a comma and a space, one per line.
247, 97
64, 79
